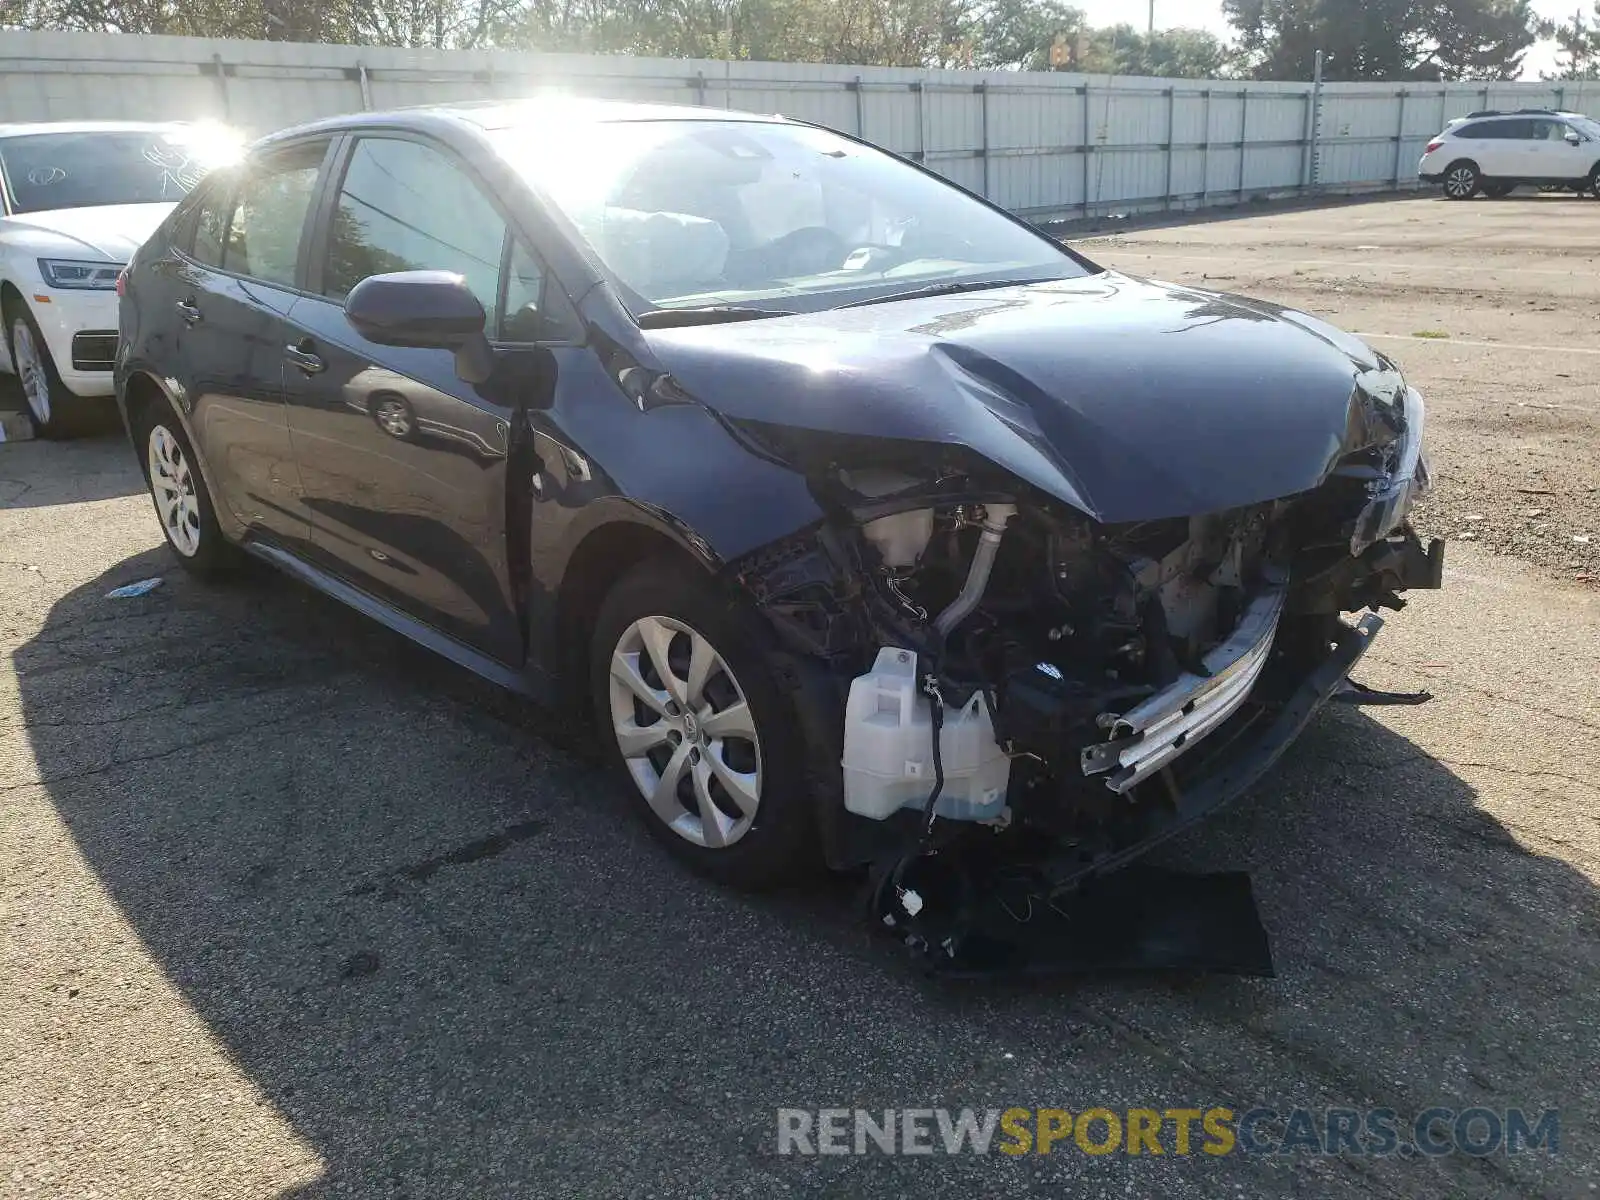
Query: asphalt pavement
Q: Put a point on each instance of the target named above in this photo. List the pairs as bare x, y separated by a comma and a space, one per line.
292, 908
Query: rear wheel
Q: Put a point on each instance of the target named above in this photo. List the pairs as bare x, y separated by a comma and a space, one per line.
1592, 186
53, 411
698, 728
1461, 181
178, 489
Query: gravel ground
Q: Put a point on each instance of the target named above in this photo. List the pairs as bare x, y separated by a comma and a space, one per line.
290, 907
1490, 309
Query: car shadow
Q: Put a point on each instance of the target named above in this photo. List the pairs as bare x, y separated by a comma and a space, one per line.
415, 914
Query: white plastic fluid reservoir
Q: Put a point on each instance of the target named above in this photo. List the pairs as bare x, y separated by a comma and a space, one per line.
888, 748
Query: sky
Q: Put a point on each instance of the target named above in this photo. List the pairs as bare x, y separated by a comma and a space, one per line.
1207, 14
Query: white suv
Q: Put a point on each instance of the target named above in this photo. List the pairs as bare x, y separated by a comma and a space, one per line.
1493, 152
79, 198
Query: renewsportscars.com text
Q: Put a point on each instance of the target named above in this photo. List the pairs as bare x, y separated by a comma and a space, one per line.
1216, 1131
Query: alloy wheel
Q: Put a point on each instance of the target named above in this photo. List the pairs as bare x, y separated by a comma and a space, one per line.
172, 485
1461, 182
393, 418
685, 730
30, 370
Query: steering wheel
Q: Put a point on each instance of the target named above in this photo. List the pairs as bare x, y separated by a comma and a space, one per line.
807, 251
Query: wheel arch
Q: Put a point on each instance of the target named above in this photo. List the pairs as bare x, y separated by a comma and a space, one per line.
138, 393
599, 557
12, 302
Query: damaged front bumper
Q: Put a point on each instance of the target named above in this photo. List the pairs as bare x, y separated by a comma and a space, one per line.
1155, 733
1023, 908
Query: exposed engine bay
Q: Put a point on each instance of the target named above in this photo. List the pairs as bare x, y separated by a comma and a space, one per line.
1073, 691
1066, 637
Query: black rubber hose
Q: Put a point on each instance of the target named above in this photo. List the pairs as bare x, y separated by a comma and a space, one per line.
938, 767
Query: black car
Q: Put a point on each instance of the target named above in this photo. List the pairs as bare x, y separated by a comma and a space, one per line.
866, 519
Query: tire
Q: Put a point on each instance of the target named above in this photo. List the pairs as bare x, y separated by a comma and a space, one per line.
393, 415
178, 490
1593, 184
1461, 181
1498, 191
662, 611
53, 410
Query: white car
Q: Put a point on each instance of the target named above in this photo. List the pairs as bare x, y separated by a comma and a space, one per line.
79, 199
1493, 152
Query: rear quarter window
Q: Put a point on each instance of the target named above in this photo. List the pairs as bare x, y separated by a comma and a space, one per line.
197, 225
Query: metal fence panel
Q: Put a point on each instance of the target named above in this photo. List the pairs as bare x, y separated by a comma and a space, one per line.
1044, 144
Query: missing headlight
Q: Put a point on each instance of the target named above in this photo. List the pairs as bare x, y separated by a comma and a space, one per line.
1404, 477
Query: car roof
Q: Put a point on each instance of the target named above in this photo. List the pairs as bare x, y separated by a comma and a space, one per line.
509, 114
502, 114
1515, 116
24, 129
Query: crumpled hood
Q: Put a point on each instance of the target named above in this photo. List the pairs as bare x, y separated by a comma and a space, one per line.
1130, 399
110, 231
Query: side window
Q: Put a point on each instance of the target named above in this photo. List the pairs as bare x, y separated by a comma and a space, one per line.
521, 319
263, 233
535, 310
406, 207
211, 223
1520, 131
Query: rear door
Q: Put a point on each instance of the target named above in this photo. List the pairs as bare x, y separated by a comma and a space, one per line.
404, 465
1514, 150
228, 292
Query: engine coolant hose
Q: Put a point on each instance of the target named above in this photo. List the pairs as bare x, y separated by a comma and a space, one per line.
994, 526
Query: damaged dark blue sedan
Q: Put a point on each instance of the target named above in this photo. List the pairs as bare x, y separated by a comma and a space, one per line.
868, 521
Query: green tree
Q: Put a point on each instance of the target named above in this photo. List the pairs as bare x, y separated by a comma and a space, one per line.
1384, 39
1169, 53
1018, 34
1579, 42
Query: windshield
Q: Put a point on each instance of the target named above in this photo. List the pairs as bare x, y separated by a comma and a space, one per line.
1587, 126
45, 171
687, 213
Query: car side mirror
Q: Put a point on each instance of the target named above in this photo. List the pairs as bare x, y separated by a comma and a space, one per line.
426, 309
1572, 138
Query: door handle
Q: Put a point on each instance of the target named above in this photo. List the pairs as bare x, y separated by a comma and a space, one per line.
189, 311
304, 359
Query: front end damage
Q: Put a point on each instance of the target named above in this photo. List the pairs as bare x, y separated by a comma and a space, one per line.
1030, 698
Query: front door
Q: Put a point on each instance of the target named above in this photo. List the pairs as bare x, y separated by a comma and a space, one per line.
1563, 159
403, 464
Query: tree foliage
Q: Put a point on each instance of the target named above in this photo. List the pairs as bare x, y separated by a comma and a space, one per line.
1278, 39
1015, 34
1579, 45
1384, 39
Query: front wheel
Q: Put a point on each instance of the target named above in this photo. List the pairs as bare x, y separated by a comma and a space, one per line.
1592, 185
178, 489
1461, 182
53, 411
698, 728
